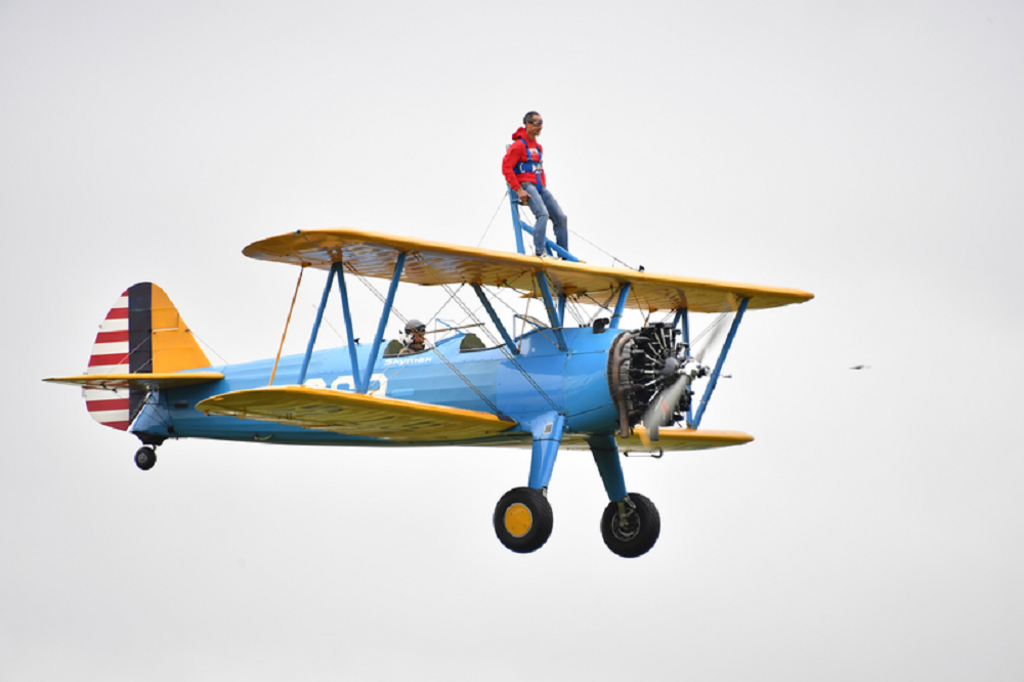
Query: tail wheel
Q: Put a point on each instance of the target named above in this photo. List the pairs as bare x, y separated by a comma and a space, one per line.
523, 520
631, 527
145, 458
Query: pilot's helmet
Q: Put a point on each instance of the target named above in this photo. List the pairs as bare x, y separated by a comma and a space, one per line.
413, 327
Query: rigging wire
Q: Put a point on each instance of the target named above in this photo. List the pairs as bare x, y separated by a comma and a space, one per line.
606, 306
524, 317
714, 323
500, 202
210, 348
434, 347
519, 210
487, 331
617, 260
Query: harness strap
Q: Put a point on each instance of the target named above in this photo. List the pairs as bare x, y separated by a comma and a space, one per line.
530, 166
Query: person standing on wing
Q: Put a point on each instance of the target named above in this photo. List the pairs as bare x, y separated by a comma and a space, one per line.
523, 167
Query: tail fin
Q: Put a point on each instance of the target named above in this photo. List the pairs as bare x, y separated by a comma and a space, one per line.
142, 333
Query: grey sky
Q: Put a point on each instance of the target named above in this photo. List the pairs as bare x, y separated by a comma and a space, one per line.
872, 153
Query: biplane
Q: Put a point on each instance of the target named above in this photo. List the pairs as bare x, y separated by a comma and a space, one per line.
543, 385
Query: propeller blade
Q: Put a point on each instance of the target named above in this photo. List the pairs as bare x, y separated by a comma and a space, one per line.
663, 406
660, 411
716, 329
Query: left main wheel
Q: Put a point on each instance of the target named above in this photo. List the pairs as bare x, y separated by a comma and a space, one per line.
523, 520
145, 458
633, 533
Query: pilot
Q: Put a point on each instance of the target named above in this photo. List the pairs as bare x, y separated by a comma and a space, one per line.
414, 339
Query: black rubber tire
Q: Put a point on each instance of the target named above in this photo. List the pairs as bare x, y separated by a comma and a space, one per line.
145, 458
535, 527
643, 530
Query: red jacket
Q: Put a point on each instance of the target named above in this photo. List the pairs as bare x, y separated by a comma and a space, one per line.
521, 165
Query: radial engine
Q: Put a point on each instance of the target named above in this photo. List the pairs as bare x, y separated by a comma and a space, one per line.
644, 367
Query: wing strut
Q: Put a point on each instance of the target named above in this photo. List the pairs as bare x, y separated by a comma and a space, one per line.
713, 381
343, 290
336, 271
495, 319
553, 316
395, 278
683, 322
316, 327
287, 323
361, 379
619, 306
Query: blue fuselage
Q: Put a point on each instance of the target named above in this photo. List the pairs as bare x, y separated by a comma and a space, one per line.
572, 382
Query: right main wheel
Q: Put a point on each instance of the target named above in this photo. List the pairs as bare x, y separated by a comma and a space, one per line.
634, 533
523, 520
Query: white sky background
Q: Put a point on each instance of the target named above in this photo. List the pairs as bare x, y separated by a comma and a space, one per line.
872, 153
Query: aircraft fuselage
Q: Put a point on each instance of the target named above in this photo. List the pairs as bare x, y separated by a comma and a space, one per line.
573, 382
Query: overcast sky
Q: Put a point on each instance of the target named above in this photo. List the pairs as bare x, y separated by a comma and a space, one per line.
869, 152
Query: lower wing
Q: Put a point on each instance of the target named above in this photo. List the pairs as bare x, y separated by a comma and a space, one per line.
355, 414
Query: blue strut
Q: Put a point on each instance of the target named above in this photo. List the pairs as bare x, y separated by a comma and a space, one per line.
494, 318
718, 365
553, 317
520, 226
547, 436
606, 456
516, 223
372, 360
316, 328
619, 305
340, 270
683, 322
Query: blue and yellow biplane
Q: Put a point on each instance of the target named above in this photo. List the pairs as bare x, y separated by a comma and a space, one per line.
546, 387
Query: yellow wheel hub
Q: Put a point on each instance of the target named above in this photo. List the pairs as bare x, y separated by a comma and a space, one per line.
518, 520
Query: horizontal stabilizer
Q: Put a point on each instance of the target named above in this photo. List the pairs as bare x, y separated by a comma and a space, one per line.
355, 414
138, 381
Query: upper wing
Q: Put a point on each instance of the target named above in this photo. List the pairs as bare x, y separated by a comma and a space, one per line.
355, 414
430, 263
138, 380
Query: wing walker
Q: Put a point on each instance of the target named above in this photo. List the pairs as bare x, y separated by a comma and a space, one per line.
544, 385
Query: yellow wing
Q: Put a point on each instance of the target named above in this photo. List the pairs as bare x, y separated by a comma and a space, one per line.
355, 414
669, 439
431, 263
681, 439
138, 380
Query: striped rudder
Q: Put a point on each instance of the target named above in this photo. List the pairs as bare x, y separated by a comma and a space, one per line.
142, 333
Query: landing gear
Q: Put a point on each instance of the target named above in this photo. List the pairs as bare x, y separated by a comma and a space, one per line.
523, 520
631, 527
145, 458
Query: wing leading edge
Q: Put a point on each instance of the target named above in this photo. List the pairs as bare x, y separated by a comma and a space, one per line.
432, 263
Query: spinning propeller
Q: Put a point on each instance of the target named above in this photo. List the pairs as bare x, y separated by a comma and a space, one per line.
664, 406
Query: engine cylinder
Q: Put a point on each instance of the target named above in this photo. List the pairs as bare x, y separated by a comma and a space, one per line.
641, 364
